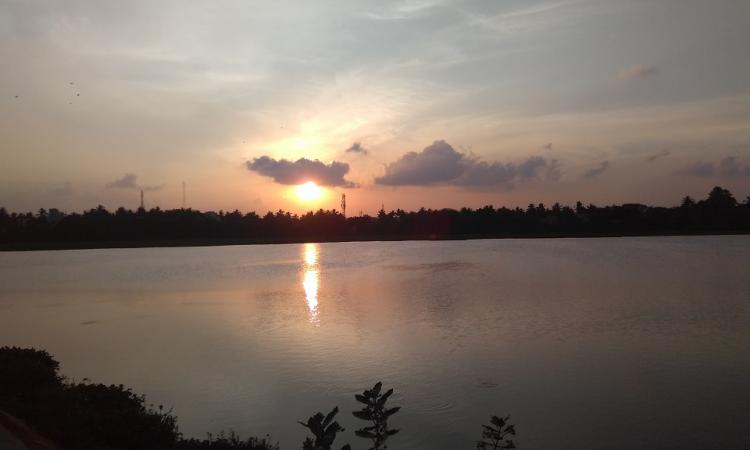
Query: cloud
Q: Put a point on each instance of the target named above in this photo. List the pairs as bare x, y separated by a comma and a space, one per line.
356, 147
638, 71
595, 172
130, 181
699, 169
64, 190
729, 167
296, 172
126, 182
439, 163
659, 155
552, 172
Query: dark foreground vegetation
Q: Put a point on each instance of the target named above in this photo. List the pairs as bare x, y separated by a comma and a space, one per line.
720, 212
88, 416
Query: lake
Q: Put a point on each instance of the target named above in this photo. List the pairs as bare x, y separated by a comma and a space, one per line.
612, 343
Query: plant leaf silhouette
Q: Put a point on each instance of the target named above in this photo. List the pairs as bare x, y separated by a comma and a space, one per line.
324, 428
375, 412
495, 436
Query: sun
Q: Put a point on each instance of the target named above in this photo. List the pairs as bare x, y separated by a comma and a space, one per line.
308, 192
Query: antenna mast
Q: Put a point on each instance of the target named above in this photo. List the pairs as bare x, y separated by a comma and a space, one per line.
142, 207
183, 195
343, 205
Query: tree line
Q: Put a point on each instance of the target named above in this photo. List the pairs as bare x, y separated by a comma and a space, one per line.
719, 212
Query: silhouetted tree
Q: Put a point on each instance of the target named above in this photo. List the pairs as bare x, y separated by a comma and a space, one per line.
721, 198
720, 212
687, 202
497, 434
376, 412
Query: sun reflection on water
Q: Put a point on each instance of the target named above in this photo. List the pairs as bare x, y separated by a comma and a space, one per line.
310, 279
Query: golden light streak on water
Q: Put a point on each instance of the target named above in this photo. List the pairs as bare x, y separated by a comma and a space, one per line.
311, 279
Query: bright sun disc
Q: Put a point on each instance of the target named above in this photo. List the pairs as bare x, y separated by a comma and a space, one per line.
309, 191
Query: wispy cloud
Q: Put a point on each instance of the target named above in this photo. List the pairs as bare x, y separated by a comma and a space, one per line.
64, 190
732, 167
661, 154
130, 181
699, 169
595, 172
729, 167
638, 71
126, 182
357, 147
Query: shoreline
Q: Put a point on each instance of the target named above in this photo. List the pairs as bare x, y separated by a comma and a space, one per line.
218, 242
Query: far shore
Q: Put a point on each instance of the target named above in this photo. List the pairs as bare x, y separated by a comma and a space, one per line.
209, 242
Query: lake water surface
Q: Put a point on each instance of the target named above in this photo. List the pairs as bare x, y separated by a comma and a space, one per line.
618, 343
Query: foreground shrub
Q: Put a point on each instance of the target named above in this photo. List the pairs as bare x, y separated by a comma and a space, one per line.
495, 436
87, 416
114, 417
325, 429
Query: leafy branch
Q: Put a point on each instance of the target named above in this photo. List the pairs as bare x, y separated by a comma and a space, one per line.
377, 414
495, 435
324, 428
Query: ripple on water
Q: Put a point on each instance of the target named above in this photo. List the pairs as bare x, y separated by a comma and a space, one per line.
434, 408
486, 384
446, 266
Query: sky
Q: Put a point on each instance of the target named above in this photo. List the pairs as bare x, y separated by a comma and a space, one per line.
402, 104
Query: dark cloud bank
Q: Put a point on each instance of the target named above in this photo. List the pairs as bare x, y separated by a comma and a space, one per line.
288, 172
439, 163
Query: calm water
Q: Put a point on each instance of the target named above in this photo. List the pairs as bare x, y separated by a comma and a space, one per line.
586, 343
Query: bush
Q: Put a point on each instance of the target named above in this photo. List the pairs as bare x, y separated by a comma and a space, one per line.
87, 416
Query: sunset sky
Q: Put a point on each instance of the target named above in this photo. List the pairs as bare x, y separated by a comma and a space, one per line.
403, 103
